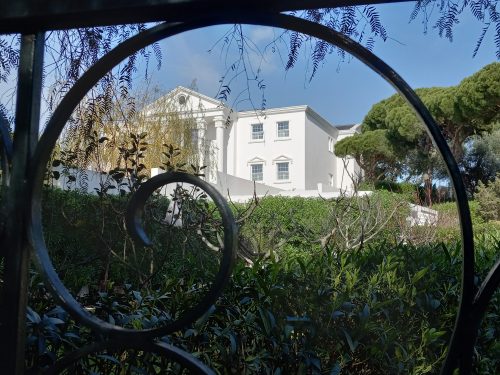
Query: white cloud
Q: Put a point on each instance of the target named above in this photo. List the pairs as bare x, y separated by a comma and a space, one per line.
262, 34
186, 58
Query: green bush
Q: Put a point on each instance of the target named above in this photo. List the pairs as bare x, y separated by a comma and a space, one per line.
311, 223
90, 246
448, 228
488, 198
378, 310
383, 308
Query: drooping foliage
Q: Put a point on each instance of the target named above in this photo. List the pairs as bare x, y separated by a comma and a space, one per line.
365, 25
68, 54
449, 13
75, 52
158, 119
9, 57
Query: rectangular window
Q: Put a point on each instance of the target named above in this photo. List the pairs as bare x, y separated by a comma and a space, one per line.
282, 169
283, 130
331, 180
257, 172
257, 131
330, 144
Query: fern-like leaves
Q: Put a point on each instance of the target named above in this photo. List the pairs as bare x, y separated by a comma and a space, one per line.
296, 40
449, 13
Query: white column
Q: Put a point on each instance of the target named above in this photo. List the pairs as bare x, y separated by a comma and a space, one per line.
202, 127
219, 136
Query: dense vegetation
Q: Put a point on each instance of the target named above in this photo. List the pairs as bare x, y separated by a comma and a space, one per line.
303, 307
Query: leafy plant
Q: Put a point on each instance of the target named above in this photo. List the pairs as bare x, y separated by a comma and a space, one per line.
488, 198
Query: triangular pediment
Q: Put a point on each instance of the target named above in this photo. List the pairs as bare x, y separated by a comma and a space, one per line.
256, 160
182, 99
282, 158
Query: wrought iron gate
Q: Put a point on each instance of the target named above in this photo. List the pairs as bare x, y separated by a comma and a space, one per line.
24, 162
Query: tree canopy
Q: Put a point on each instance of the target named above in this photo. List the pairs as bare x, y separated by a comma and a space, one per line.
481, 161
394, 142
372, 151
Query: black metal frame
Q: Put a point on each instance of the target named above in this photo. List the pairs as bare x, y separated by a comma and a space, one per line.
24, 163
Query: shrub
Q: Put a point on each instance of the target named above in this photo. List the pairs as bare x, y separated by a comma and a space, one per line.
405, 188
488, 198
448, 226
312, 223
382, 309
89, 244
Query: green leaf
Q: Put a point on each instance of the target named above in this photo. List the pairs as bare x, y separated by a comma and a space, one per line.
337, 314
446, 252
33, 316
288, 330
71, 335
302, 265
205, 316
352, 344
137, 296
232, 340
190, 332
434, 303
265, 320
365, 313
419, 275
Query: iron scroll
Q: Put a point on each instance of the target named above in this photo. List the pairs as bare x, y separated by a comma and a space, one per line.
472, 304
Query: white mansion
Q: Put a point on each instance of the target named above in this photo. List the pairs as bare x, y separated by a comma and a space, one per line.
280, 151
286, 151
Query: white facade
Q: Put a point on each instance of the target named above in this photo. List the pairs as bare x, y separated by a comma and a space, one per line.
289, 148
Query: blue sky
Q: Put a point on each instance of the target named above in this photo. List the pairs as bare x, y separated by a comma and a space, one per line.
342, 94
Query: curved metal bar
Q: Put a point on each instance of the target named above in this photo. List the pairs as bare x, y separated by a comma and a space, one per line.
60, 14
5, 162
461, 343
134, 226
5, 148
42, 154
166, 350
486, 290
5, 136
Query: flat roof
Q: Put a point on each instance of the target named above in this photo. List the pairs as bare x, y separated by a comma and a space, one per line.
345, 127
